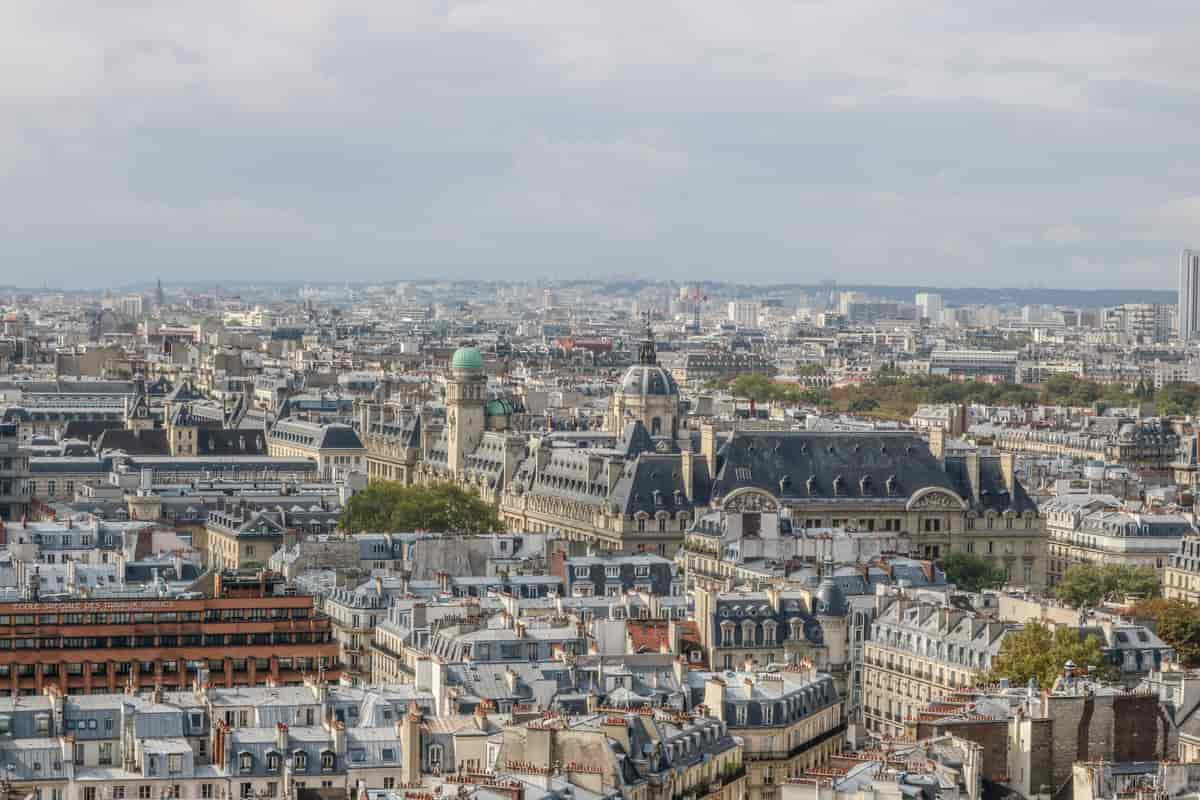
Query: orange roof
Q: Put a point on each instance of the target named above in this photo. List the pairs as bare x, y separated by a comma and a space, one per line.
648, 636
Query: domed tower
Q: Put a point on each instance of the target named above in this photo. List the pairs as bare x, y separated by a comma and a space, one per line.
647, 392
832, 610
466, 395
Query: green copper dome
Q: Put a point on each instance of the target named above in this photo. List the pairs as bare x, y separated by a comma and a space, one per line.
497, 408
467, 358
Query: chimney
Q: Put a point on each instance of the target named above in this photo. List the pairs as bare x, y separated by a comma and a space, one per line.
613, 469
1008, 462
972, 461
281, 737
937, 443
708, 447
773, 598
67, 744
339, 737
410, 746
685, 472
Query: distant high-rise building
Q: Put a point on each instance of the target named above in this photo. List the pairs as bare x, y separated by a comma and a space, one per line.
131, 305
1189, 295
744, 314
930, 306
158, 294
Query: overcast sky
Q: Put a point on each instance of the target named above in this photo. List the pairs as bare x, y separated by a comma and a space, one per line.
946, 142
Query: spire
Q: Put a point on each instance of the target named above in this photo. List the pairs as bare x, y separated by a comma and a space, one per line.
646, 355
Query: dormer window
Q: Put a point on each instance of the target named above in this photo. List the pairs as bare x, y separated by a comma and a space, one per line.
300, 761
328, 759
272, 762
245, 763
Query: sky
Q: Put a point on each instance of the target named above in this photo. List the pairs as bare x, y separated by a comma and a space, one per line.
936, 142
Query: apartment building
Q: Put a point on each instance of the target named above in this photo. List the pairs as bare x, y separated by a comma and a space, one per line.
919, 651
1181, 578
1091, 529
789, 720
244, 633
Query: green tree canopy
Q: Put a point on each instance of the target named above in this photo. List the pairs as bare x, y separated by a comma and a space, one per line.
1037, 652
754, 386
1177, 623
972, 573
1089, 584
388, 506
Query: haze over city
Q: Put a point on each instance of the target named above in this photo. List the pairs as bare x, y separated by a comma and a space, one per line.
947, 144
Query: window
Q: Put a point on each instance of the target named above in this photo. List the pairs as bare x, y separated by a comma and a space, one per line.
245, 762
642, 571
144, 792
612, 572
932, 525
741, 715
118, 792
768, 714
105, 758
327, 760
435, 756
206, 791
174, 763
300, 760
389, 782
272, 789
89, 793
389, 754
272, 762
247, 790
582, 572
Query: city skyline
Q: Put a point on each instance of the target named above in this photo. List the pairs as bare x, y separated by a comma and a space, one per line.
965, 145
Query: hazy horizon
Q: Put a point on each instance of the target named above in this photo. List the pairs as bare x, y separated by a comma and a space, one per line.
945, 144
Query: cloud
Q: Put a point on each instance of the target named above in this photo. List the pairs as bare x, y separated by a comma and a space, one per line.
876, 140
1065, 234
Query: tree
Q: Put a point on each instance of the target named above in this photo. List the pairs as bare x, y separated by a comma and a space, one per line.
972, 573
388, 506
1035, 651
755, 386
1177, 623
1089, 584
862, 405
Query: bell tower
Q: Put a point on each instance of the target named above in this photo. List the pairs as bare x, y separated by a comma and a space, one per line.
466, 395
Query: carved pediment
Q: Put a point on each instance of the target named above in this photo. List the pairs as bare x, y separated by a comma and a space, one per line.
750, 501
932, 499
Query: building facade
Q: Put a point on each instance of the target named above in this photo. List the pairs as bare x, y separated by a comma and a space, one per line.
918, 652
243, 635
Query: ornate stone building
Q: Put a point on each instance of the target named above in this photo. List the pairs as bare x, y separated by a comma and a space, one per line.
891, 482
633, 488
647, 393
473, 446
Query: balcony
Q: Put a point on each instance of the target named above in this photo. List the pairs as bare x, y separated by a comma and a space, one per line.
803, 747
